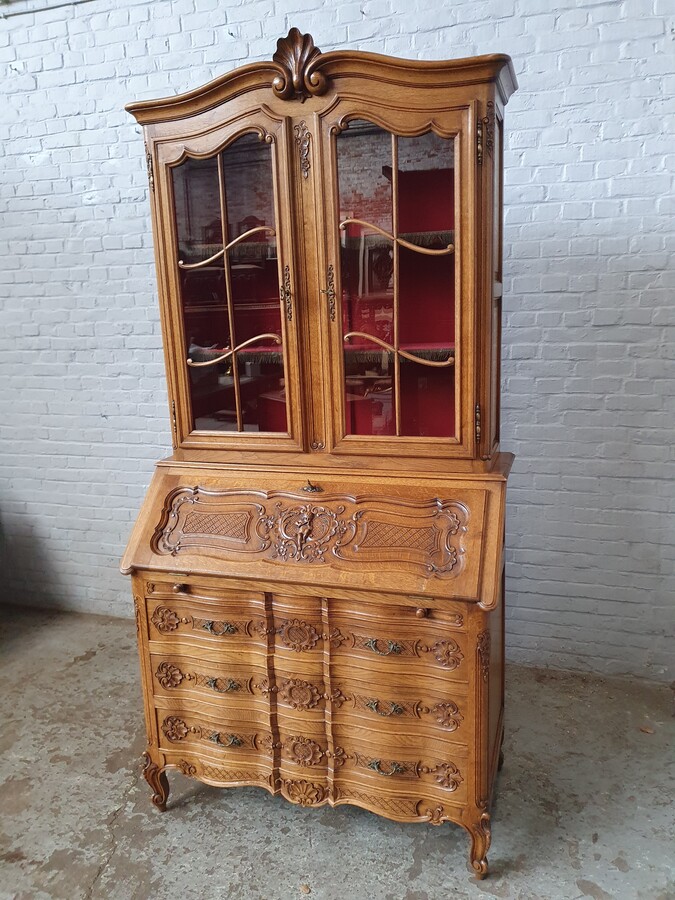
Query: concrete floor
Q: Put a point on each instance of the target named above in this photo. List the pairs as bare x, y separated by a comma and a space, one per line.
583, 806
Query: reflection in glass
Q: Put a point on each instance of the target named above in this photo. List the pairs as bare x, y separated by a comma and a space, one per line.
368, 389
397, 232
228, 265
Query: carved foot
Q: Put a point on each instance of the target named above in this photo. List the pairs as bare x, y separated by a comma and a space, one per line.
156, 778
480, 844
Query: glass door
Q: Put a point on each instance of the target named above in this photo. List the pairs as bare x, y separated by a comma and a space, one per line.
235, 295
398, 282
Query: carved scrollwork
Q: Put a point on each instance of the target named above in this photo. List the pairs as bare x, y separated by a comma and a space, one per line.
302, 142
447, 653
448, 715
480, 844
307, 532
448, 776
156, 778
483, 649
424, 536
187, 768
296, 57
435, 815
138, 613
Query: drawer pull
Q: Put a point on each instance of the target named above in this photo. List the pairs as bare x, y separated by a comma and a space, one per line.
180, 588
394, 708
231, 740
421, 612
230, 685
219, 628
392, 647
310, 488
394, 767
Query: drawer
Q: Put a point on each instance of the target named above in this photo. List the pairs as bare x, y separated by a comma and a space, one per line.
175, 675
424, 768
419, 612
400, 708
235, 623
392, 649
240, 733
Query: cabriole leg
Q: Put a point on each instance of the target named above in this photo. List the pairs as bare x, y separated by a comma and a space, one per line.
156, 778
480, 844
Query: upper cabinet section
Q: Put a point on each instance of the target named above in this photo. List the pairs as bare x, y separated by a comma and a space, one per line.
328, 238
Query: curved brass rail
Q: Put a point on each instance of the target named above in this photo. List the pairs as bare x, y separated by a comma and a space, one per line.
202, 262
404, 353
237, 240
253, 340
400, 241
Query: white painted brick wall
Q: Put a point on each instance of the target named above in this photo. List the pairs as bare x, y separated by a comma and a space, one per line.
589, 366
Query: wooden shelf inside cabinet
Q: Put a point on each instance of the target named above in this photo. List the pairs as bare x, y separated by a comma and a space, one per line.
317, 571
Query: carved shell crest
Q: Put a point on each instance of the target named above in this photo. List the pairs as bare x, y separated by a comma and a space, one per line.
296, 56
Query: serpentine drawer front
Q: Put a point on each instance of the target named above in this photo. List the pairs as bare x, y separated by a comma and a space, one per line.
317, 568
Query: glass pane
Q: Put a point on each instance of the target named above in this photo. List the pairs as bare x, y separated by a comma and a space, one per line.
231, 303
427, 400
369, 382
398, 280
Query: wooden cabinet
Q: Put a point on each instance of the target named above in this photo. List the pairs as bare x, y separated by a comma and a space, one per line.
317, 569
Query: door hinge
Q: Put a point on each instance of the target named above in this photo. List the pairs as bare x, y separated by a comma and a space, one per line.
477, 422
485, 133
151, 173
174, 424
285, 293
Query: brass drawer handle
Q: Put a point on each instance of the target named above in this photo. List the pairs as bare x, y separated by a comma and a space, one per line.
310, 488
394, 708
180, 588
392, 647
231, 740
395, 768
219, 628
231, 685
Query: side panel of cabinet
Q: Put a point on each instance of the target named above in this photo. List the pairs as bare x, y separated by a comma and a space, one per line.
226, 366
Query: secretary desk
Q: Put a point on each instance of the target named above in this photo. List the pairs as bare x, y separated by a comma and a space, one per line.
317, 569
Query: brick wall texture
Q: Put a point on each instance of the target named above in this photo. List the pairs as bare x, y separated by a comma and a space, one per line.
589, 367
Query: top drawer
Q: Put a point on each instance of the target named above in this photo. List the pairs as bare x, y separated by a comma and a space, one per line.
439, 540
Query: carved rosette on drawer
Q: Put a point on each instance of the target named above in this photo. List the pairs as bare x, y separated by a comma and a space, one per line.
424, 536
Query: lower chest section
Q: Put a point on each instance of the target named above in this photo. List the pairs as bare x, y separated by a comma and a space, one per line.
345, 698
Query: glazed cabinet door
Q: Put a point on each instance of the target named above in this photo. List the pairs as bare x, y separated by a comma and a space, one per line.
399, 278
226, 261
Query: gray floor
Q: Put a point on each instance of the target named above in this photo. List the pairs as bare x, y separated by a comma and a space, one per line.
583, 806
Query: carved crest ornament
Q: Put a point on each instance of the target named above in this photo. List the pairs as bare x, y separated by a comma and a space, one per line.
297, 57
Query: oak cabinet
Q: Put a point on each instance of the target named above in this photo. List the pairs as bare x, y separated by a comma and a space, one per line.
317, 569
